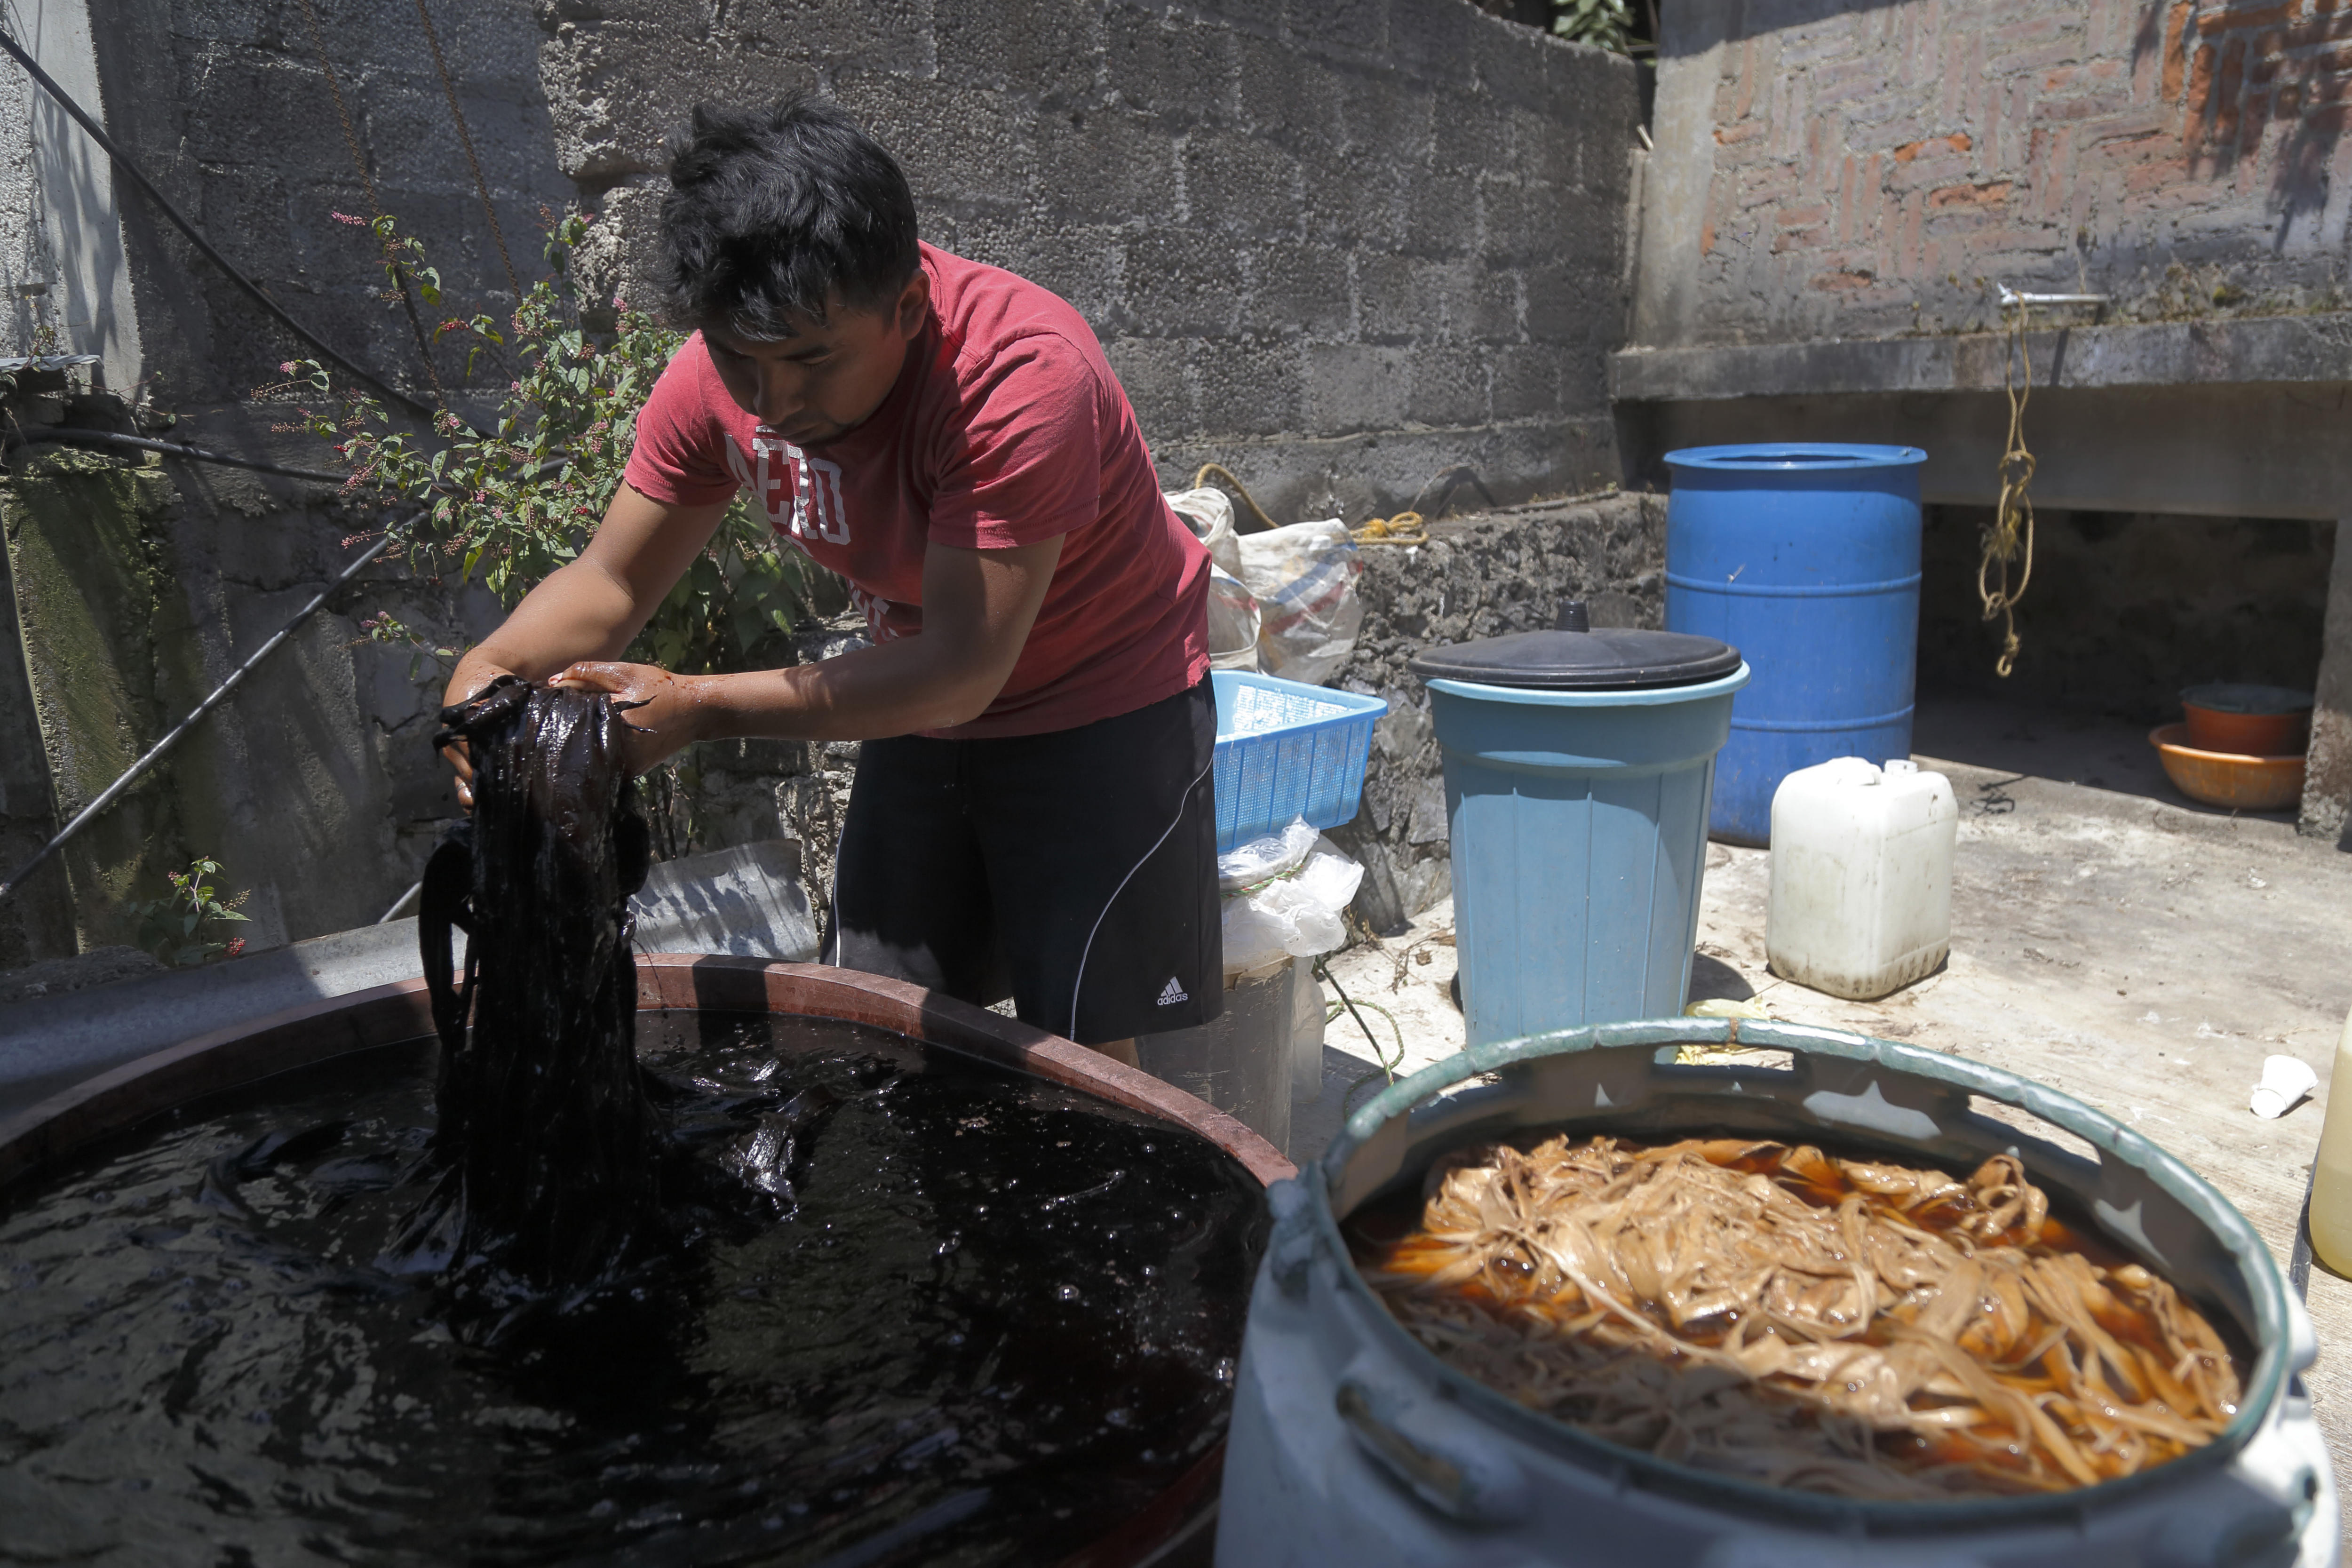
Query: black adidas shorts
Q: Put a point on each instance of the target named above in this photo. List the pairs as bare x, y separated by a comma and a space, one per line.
1075, 871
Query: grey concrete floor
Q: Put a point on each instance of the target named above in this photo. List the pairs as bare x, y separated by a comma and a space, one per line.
2109, 938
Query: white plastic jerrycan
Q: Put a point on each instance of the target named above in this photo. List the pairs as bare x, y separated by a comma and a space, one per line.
1861, 876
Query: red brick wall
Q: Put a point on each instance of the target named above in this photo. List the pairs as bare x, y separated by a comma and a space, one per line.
1882, 170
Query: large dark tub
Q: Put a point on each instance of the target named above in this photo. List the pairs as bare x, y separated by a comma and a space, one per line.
175, 1276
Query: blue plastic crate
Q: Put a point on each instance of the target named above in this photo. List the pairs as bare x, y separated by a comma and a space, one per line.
1285, 750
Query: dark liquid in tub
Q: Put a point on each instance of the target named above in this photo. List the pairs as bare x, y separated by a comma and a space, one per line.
988, 1320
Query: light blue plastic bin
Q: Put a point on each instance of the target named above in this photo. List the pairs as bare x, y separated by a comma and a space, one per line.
1579, 827
1287, 750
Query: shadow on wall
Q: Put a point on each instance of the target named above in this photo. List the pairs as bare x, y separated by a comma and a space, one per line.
232, 112
2125, 609
2200, 93
1690, 30
2245, 71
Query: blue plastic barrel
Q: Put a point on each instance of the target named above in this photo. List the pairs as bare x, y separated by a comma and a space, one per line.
1806, 558
1578, 829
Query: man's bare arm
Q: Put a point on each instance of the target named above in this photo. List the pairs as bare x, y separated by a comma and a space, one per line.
978, 607
592, 607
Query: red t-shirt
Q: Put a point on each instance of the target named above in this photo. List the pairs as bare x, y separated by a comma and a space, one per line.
1006, 427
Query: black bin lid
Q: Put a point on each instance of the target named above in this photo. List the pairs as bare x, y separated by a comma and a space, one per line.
1579, 660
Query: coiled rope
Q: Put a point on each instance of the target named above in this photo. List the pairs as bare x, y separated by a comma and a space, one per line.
1405, 528
2009, 538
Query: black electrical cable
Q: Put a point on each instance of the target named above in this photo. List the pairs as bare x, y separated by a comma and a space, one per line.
146, 188
65, 437
69, 437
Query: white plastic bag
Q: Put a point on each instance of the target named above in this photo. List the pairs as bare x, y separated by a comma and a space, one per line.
1209, 513
1304, 579
1298, 912
1260, 859
1233, 622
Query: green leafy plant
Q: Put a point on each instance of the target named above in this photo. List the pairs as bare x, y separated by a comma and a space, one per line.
508, 505
177, 927
1607, 23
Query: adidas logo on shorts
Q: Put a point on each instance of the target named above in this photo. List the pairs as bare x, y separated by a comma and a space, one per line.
1171, 994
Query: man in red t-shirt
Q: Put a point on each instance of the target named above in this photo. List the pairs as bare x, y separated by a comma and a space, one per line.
1032, 812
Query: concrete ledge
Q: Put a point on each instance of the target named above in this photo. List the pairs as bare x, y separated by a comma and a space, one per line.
2261, 350
51, 1042
2273, 449
747, 901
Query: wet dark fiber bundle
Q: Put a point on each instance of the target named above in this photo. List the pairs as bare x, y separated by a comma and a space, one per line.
546, 1138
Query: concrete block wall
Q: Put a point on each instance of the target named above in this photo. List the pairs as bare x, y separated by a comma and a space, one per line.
224, 105
134, 591
1337, 244
1336, 247
1840, 187
1854, 170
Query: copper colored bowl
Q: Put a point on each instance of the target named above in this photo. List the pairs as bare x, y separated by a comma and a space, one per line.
2226, 778
2247, 720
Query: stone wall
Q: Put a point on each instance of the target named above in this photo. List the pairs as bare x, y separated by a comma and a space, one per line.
1338, 247
1852, 168
1479, 576
226, 106
136, 590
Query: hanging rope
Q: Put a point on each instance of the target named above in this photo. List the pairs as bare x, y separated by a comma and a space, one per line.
2009, 542
466, 139
375, 202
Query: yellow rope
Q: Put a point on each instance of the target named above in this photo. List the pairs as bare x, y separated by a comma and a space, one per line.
2009, 539
1226, 474
1404, 528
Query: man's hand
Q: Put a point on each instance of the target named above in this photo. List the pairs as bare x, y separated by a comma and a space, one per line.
589, 608
669, 711
468, 680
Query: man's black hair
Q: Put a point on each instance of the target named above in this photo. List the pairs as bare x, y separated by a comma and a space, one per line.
773, 213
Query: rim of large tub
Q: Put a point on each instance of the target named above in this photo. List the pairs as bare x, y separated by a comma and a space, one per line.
118, 1101
245, 1055
2274, 1323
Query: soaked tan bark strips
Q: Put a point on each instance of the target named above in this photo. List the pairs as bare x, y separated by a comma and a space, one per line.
1772, 1311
